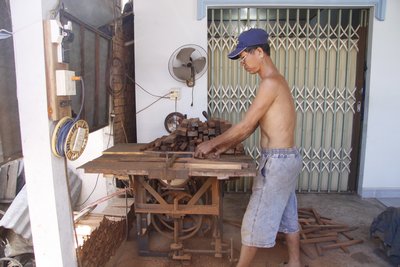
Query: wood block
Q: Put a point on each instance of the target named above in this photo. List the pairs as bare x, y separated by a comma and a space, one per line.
184, 123
183, 146
192, 133
169, 139
194, 123
211, 124
211, 131
8, 180
11, 190
181, 131
3, 181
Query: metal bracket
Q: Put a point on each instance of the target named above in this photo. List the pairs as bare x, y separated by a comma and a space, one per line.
379, 5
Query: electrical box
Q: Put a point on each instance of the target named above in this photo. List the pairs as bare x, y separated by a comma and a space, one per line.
64, 83
56, 36
58, 105
175, 93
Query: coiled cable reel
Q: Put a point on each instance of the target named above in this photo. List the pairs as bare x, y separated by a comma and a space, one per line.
70, 135
69, 138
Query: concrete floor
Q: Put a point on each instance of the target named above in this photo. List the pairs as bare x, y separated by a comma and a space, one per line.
342, 208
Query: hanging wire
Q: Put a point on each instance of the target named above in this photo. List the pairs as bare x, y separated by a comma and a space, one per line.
132, 80
118, 67
192, 96
161, 97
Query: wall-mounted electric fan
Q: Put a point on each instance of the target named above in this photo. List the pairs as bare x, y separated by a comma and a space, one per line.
188, 63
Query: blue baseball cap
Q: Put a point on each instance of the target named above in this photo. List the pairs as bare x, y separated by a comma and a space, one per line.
247, 39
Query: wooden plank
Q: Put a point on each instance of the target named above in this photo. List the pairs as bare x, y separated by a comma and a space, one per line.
342, 244
11, 190
186, 162
325, 226
144, 168
317, 217
115, 211
219, 166
200, 192
3, 181
181, 209
316, 235
121, 201
124, 148
318, 239
153, 192
234, 223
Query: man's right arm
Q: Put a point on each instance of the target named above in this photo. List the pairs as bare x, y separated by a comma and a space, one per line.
265, 97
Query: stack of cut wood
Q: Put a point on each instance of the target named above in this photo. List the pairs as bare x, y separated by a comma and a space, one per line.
107, 235
192, 132
319, 234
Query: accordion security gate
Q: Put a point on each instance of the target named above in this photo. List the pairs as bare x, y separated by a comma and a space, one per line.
316, 50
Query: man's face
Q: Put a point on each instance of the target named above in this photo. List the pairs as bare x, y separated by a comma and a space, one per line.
247, 60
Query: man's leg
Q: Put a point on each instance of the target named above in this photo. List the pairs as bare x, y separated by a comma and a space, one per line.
246, 256
293, 244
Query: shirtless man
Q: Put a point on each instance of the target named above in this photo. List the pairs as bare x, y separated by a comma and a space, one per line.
273, 205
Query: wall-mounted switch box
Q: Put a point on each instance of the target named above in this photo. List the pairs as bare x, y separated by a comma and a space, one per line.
64, 83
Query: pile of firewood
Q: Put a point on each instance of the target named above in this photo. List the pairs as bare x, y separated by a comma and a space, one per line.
319, 234
190, 133
107, 234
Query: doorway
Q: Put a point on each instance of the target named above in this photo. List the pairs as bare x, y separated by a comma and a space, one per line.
321, 53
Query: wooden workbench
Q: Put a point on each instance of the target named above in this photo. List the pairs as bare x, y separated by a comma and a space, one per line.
129, 161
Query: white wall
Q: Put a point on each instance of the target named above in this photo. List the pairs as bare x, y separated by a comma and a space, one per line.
382, 160
161, 27
94, 186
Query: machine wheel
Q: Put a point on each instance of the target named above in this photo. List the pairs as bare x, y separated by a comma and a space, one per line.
190, 224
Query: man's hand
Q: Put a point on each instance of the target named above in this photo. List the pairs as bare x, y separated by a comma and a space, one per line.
204, 150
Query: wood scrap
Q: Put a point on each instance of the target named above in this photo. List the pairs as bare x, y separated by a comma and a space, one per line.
107, 234
318, 233
323, 233
190, 133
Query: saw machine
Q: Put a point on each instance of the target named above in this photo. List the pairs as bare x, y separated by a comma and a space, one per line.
175, 194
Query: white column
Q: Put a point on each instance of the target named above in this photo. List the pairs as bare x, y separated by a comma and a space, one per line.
48, 200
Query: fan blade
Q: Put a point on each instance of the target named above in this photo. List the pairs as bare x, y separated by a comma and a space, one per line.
183, 73
199, 64
184, 55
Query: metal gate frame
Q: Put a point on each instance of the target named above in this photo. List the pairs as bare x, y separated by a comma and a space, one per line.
328, 92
